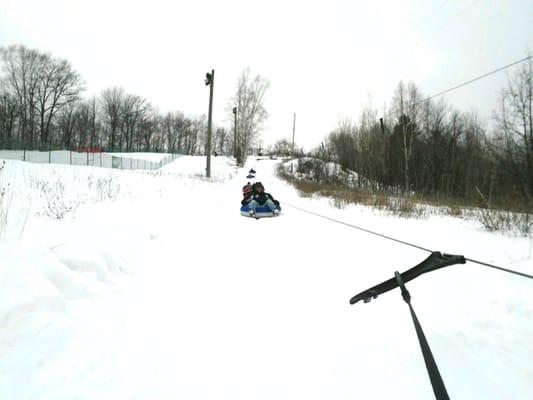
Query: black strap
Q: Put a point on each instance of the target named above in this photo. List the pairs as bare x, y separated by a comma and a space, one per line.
433, 371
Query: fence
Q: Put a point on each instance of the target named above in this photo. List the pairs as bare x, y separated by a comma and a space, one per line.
103, 160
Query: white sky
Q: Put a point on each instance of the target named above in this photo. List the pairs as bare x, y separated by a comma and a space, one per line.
324, 59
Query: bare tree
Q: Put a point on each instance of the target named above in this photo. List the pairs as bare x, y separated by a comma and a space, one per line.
41, 85
434, 126
133, 110
21, 76
174, 128
8, 118
83, 124
197, 138
94, 122
223, 141
515, 124
148, 128
111, 109
58, 85
343, 142
251, 112
40, 105
66, 125
157, 138
282, 147
406, 106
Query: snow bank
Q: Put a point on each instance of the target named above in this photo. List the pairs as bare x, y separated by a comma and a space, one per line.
313, 169
39, 276
143, 156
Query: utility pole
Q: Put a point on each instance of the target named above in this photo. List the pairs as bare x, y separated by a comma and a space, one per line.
235, 133
293, 130
209, 81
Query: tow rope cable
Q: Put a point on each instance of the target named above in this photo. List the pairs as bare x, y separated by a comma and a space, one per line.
523, 274
435, 261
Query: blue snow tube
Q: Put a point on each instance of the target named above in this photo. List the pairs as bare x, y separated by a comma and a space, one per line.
260, 212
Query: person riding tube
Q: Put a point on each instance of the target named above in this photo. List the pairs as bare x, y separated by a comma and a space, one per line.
261, 198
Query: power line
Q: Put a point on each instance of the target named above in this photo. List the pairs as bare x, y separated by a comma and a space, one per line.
475, 79
406, 243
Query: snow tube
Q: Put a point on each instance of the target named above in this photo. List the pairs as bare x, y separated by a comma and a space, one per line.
260, 212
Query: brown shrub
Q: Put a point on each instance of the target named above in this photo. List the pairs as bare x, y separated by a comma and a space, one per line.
506, 216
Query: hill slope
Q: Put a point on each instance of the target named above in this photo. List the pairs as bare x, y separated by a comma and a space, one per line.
165, 291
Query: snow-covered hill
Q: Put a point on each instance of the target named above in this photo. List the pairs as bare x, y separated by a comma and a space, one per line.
313, 169
152, 286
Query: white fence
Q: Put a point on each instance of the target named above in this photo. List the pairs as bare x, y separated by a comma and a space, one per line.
90, 159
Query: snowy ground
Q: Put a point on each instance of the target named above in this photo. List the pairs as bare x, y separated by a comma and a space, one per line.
154, 287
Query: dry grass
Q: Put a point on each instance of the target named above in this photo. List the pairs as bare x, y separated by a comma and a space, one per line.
514, 219
341, 196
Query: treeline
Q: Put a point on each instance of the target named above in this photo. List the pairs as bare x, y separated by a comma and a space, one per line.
42, 107
430, 148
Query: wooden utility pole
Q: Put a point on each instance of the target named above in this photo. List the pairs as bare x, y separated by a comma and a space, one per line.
209, 81
293, 130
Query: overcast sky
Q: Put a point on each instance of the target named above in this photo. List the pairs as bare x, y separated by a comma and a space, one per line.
324, 59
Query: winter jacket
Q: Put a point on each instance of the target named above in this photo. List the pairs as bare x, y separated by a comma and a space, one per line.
261, 198
247, 198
